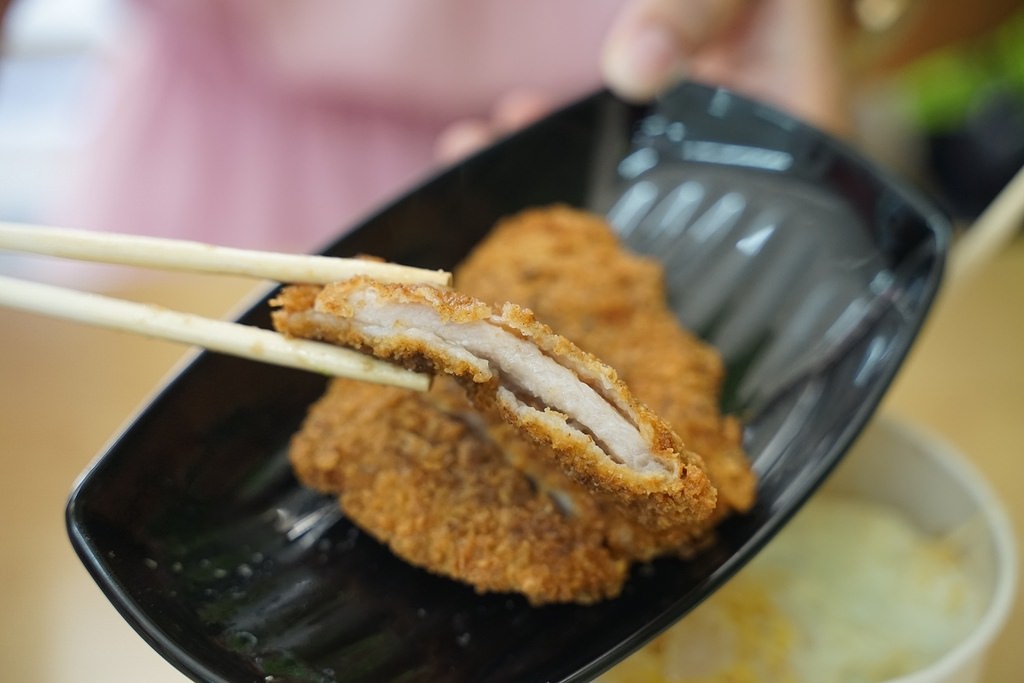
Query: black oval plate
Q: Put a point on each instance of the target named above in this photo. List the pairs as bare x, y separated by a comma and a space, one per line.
810, 269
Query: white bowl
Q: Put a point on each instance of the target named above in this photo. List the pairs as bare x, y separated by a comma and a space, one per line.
912, 560
945, 496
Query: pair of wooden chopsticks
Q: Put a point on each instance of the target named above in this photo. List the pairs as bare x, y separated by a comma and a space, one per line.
216, 335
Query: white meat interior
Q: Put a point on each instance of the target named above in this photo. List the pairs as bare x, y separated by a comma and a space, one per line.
522, 367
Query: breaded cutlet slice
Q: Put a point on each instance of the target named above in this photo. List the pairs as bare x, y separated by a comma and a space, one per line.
569, 268
515, 367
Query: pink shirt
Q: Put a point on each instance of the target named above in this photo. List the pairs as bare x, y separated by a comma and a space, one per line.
277, 123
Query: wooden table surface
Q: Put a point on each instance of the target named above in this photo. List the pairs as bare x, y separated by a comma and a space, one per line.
67, 389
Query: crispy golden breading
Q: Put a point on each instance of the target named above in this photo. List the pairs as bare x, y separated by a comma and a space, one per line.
517, 369
569, 269
440, 494
463, 493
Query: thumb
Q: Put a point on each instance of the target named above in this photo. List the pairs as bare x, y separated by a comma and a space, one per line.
651, 42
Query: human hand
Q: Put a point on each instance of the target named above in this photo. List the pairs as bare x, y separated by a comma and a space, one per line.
785, 52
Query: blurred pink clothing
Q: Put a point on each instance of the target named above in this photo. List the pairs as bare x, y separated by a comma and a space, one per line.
278, 123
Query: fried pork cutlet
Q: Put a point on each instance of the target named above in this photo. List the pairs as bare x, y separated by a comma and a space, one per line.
464, 494
471, 499
564, 399
568, 267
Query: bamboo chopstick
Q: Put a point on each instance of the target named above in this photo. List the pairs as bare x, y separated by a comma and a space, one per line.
168, 254
217, 335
